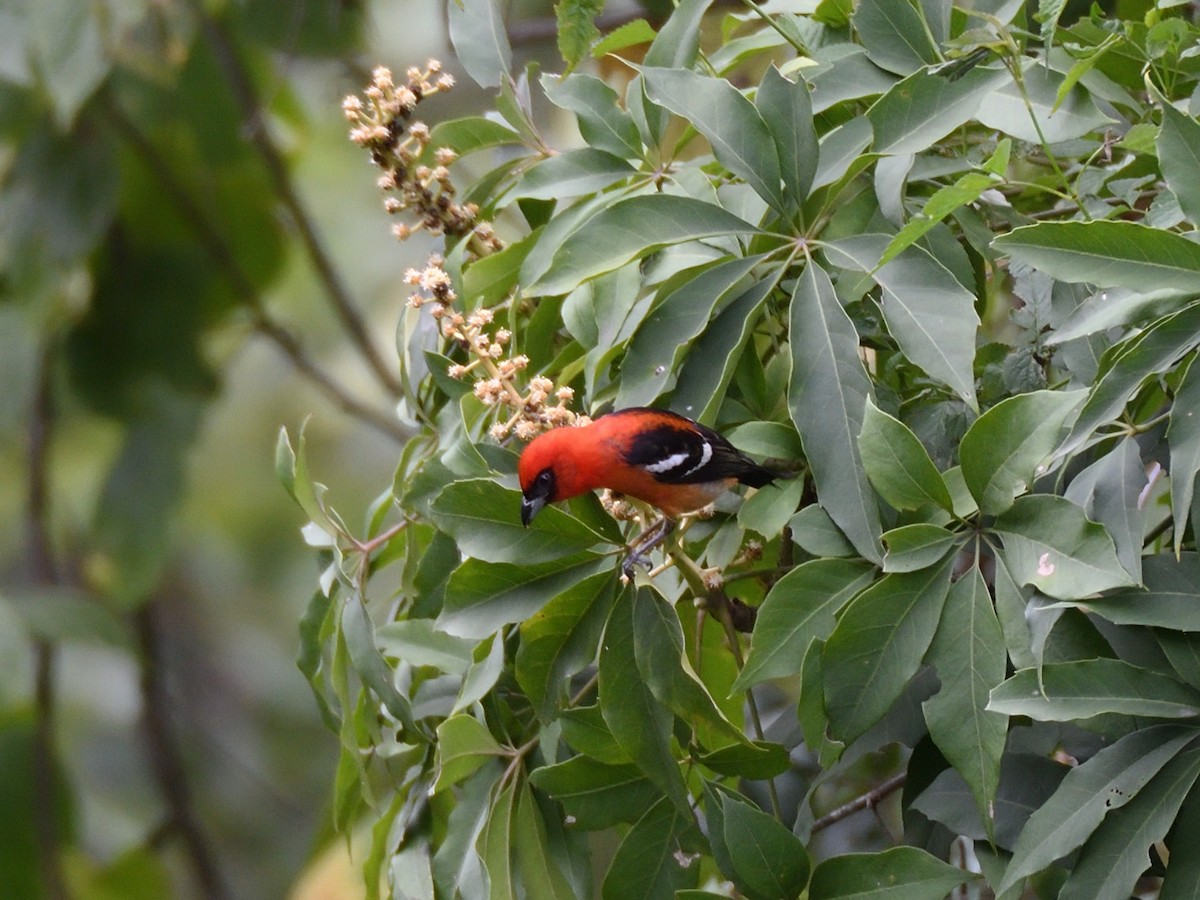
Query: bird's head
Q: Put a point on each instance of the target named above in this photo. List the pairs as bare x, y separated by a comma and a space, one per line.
547, 471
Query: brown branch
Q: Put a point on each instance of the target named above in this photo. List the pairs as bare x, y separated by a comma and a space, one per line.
222, 255
44, 571
866, 801
166, 761
247, 99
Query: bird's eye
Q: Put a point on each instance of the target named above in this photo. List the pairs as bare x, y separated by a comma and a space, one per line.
545, 476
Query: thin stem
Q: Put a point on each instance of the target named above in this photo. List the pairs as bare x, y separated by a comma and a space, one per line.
165, 758
209, 237
247, 99
44, 571
866, 801
779, 29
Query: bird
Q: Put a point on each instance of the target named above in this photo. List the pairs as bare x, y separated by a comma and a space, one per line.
667, 460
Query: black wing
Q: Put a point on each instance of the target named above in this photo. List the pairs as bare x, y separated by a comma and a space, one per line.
691, 453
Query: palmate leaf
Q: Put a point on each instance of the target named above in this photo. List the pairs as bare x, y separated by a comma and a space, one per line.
800, 608
1093, 687
739, 138
894, 35
877, 646
902, 873
631, 229
827, 397
898, 465
1116, 855
480, 40
645, 864
1179, 155
929, 313
968, 654
596, 795
1183, 437
1110, 779
1106, 254
639, 723
1003, 448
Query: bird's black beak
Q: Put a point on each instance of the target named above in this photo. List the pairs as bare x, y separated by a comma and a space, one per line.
537, 495
530, 507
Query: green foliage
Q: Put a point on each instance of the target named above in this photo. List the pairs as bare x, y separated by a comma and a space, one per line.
942, 268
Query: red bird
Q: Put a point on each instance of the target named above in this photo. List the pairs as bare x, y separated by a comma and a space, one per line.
657, 456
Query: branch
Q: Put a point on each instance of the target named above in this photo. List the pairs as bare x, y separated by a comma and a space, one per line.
166, 761
222, 255
866, 801
339, 296
44, 571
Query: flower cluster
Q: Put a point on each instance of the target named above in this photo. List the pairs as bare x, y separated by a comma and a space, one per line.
400, 148
495, 369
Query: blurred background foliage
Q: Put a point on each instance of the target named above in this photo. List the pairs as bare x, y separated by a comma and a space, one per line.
191, 254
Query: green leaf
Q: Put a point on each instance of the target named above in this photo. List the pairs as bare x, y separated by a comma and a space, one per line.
902, 873
799, 608
929, 313
639, 723
484, 518
602, 122
916, 546
739, 138
842, 149
1004, 448
1179, 155
1012, 112
897, 463
946, 200
923, 108
481, 597
664, 336
629, 230
827, 397
488, 280
495, 844
771, 507
480, 40
540, 872
645, 863
1182, 880
67, 47
895, 36
968, 654
1109, 490
1115, 307
664, 667
1116, 855
768, 860
1171, 598
368, 662
877, 646
1106, 254
1183, 437
1107, 781
709, 366
786, 108
584, 728
561, 638
418, 643
631, 34
1049, 543
486, 668
577, 29
472, 133
1092, 687
571, 174
594, 795
755, 760
816, 534
1127, 366
463, 745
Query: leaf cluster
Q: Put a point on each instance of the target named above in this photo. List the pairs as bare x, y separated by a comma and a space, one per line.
942, 259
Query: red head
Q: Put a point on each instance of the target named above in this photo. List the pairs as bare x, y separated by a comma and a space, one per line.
550, 470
